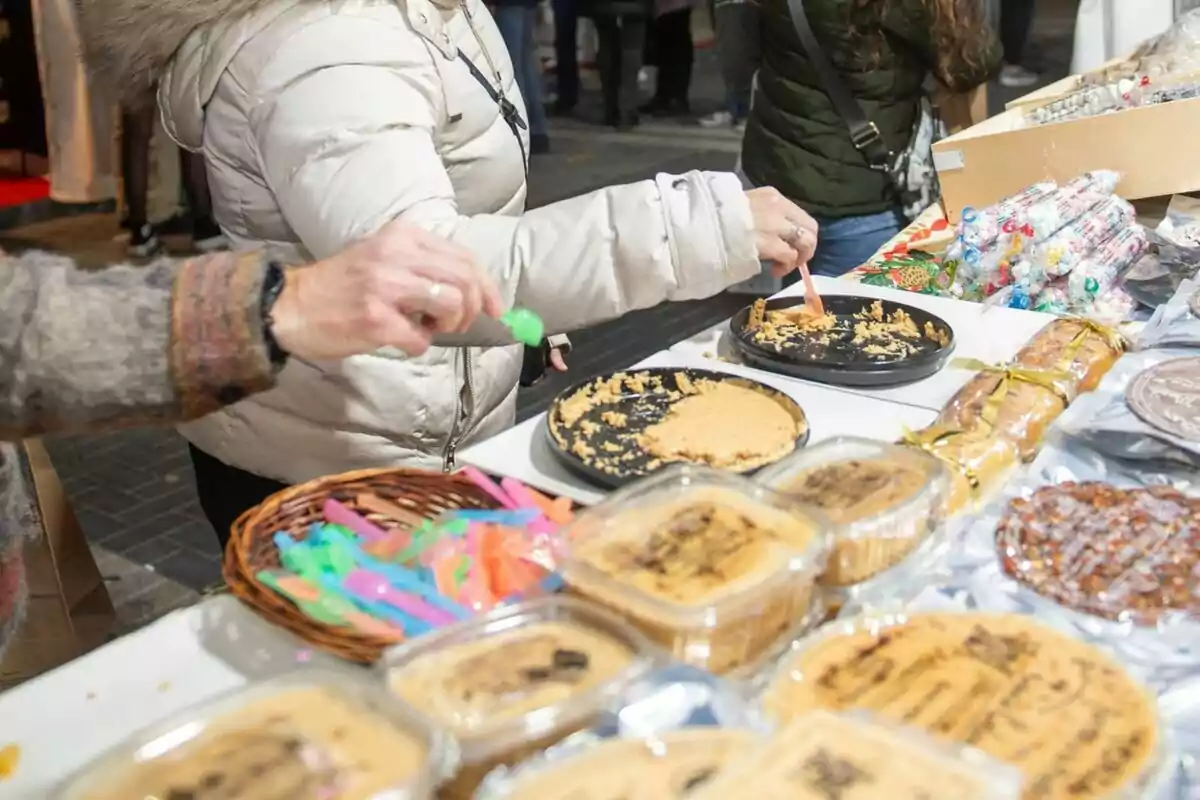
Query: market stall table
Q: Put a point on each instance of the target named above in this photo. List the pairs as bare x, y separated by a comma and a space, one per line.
524, 454
60, 721
984, 333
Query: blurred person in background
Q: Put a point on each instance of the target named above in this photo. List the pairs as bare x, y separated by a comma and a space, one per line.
137, 135
883, 51
621, 27
739, 49
517, 21
566, 56
670, 48
1016, 23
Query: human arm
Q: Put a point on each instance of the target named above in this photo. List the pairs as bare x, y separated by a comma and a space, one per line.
179, 339
347, 146
962, 51
125, 346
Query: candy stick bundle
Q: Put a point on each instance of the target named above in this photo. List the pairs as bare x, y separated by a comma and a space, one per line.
402, 580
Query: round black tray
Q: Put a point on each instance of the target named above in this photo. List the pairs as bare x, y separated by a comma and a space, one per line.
844, 365
640, 415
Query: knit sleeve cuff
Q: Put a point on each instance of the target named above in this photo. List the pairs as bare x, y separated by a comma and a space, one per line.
218, 351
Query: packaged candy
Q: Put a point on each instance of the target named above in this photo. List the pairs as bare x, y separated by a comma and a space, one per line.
1070, 202
1054, 298
1111, 308
1124, 92
982, 227
1060, 253
1098, 273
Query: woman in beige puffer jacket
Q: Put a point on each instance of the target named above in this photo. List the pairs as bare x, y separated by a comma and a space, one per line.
322, 119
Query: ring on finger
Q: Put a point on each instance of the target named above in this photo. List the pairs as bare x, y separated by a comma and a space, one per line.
797, 236
435, 291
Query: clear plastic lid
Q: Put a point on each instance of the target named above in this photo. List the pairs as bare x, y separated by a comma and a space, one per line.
520, 673
1071, 719
882, 499
691, 548
859, 757
313, 734
666, 766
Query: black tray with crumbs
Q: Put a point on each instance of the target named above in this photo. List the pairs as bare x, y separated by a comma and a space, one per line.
848, 354
590, 445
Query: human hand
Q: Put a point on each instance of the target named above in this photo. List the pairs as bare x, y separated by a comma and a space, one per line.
785, 234
396, 287
559, 347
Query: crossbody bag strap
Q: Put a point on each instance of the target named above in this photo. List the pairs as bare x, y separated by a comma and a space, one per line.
864, 134
512, 116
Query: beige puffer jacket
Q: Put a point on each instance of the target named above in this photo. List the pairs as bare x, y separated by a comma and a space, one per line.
322, 120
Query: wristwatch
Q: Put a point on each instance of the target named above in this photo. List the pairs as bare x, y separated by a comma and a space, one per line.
272, 287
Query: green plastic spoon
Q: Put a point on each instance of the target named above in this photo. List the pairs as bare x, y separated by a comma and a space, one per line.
526, 327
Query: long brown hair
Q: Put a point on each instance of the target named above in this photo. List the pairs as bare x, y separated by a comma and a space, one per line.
958, 28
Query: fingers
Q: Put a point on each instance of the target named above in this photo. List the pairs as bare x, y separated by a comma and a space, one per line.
440, 260
782, 256
804, 242
443, 307
397, 330
557, 361
787, 235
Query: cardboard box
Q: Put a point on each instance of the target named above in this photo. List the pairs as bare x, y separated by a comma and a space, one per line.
961, 111
69, 611
1000, 156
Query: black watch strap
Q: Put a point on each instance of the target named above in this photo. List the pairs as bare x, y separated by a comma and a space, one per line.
272, 287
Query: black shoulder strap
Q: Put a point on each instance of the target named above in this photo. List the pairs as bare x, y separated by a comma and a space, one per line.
511, 115
864, 134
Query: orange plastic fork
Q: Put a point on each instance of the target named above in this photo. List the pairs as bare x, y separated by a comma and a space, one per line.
811, 298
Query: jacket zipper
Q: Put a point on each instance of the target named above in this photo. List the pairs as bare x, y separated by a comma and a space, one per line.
464, 409
465, 406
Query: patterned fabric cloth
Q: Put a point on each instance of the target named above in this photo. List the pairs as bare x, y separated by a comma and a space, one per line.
119, 347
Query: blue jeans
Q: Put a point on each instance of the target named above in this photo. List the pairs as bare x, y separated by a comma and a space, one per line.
516, 24
844, 243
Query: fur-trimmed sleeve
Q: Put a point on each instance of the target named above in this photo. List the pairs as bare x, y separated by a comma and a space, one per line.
127, 345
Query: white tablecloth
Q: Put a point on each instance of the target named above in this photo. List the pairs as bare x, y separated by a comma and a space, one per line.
65, 718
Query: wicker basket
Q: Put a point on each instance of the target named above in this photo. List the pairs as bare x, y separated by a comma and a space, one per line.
251, 546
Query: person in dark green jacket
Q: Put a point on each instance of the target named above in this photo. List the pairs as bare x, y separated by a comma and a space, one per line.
884, 51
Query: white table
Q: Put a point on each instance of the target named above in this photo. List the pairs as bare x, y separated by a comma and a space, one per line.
69, 716
988, 333
524, 454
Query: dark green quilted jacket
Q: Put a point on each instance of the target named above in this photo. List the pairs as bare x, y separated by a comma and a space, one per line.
794, 139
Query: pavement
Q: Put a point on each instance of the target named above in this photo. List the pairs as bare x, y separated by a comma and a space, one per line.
132, 490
